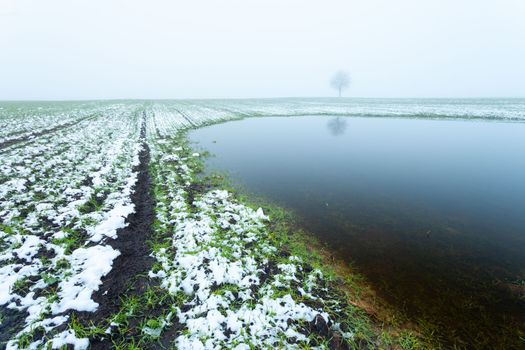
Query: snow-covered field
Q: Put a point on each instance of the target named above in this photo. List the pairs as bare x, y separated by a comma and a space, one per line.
501, 109
220, 278
66, 193
62, 196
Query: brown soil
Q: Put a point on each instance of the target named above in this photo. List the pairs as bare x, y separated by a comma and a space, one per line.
12, 323
134, 259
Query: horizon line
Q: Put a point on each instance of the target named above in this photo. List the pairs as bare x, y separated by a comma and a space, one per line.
262, 98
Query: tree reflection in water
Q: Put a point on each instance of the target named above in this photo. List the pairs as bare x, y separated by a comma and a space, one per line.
337, 126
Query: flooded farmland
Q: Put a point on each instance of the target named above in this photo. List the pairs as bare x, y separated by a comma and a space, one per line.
430, 211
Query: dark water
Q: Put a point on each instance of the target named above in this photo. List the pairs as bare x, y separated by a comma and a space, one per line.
432, 212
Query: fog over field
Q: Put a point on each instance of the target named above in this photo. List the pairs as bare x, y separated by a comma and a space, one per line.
98, 49
262, 174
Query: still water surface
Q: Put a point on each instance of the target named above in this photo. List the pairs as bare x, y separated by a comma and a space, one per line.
431, 211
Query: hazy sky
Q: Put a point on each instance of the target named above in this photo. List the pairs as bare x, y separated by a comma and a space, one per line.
72, 49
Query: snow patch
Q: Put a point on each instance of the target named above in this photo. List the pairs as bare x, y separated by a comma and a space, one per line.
89, 266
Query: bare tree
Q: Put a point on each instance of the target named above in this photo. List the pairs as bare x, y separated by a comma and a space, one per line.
340, 81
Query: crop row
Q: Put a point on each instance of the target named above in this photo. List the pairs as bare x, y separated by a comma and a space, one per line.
62, 198
25, 121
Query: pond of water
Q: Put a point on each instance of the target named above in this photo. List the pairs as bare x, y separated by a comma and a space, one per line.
431, 211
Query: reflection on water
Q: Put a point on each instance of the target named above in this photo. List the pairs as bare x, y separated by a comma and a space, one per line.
337, 126
432, 212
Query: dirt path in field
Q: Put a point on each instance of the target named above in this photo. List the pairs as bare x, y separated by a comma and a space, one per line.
128, 274
14, 141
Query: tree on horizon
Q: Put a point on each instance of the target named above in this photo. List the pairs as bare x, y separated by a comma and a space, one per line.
340, 81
